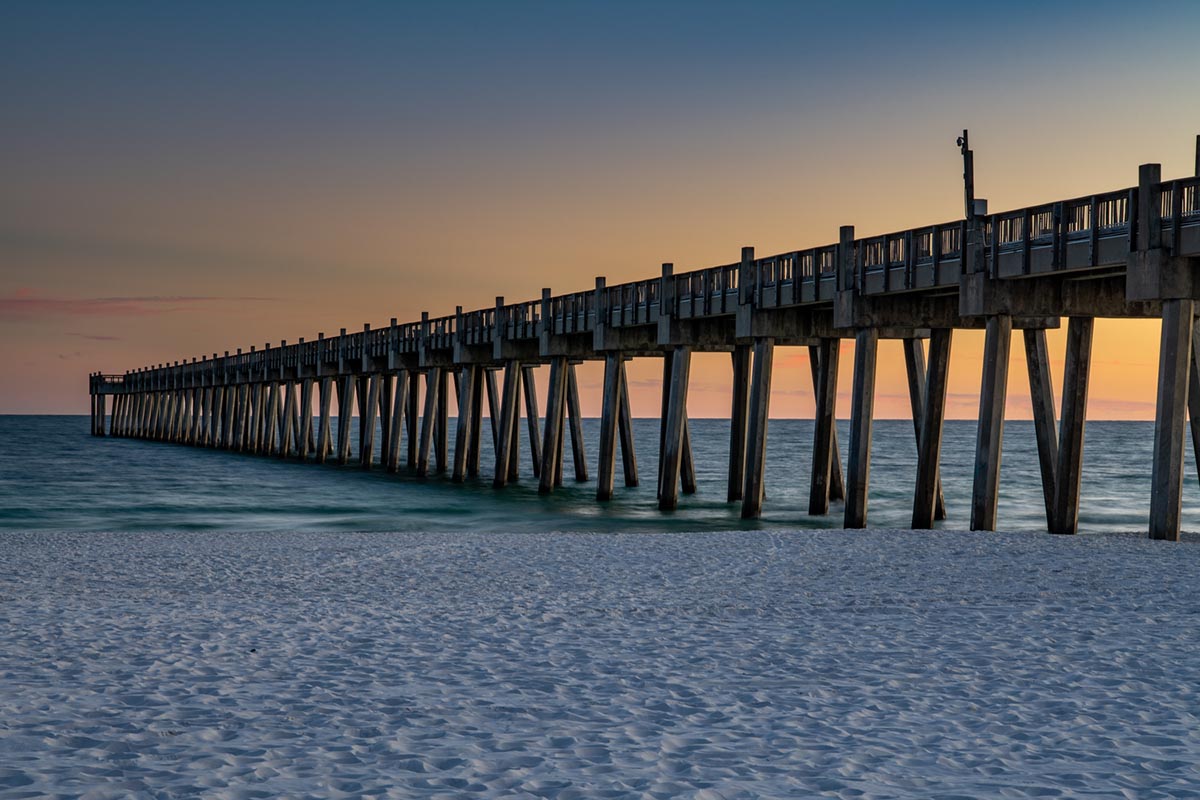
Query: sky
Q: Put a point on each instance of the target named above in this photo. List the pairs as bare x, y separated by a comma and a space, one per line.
186, 178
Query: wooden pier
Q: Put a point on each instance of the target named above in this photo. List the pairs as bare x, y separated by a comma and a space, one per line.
1131, 252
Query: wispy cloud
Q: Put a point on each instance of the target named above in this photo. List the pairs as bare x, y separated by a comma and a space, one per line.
25, 302
95, 337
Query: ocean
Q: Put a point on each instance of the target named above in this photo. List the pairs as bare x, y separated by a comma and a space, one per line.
55, 476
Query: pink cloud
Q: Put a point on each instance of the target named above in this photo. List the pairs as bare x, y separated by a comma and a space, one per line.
24, 302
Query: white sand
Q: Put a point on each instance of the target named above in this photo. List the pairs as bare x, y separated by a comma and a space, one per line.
878, 664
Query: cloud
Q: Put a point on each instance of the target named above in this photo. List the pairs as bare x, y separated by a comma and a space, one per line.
24, 302
95, 337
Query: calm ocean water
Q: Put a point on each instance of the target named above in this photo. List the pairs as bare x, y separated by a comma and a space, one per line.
53, 475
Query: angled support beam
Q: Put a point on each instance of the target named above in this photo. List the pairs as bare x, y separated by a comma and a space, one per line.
862, 409
433, 381
578, 453
531, 420
674, 430
442, 422
918, 379
928, 502
555, 412
476, 421
738, 416
466, 416
399, 410
306, 417
412, 418
610, 411
990, 433
366, 454
1068, 472
1041, 394
625, 431
754, 487
508, 413
826, 467
324, 438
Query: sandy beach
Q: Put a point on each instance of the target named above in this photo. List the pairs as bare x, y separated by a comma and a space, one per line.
849, 664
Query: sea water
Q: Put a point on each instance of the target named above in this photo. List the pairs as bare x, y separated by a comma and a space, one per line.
55, 476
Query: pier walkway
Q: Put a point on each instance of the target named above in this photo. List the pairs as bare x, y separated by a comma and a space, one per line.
1130, 252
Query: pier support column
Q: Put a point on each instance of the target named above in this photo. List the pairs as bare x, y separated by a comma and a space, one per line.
306, 417
514, 446
473, 453
674, 430
494, 404
578, 453
399, 410
442, 427
928, 502
287, 432
990, 433
862, 410
918, 380
433, 382
464, 431
610, 411
1041, 395
412, 419
366, 455
754, 486
1166, 482
532, 421
1068, 473
827, 463
503, 432
323, 432
385, 415
625, 431
552, 440
737, 423
345, 418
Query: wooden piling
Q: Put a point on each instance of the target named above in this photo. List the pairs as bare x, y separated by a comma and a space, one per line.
610, 411
473, 454
738, 415
1041, 395
345, 410
286, 427
578, 453
466, 416
826, 465
323, 435
1166, 482
990, 433
531, 420
1069, 470
555, 411
411, 416
442, 427
914, 362
366, 454
399, 410
306, 417
674, 433
928, 501
862, 409
754, 487
625, 431
514, 446
502, 433
433, 382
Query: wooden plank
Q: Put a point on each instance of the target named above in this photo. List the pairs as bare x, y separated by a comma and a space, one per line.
928, 499
1041, 395
672, 455
738, 417
625, 431
610, 411
1068, 473
758, 415
990, 432
1166, 481
826, 464
578, 453
862, 409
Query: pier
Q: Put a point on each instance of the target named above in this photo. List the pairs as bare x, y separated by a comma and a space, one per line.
1128, 252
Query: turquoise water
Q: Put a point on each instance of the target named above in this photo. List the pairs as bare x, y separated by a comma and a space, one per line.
53, 475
